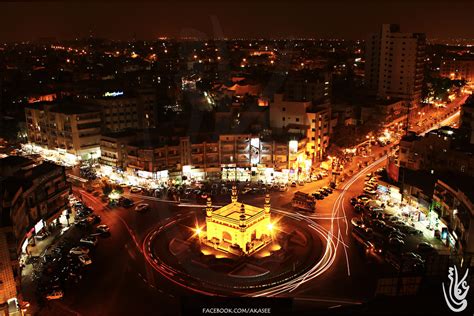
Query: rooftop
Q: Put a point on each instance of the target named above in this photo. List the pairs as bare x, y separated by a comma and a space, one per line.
232, 211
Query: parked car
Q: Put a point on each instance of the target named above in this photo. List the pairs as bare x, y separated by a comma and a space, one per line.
89, 240
370, 191
127, 202
282, 188
397, 242
103, 229
55, 295
94, 219
293, 184
353, 201
79, 250
85, 260
135, 190
357, 222
318, 196
142, 207
327, 189
425, 247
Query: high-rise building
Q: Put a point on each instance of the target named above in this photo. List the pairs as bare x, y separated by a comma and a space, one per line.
394, 64
467, 118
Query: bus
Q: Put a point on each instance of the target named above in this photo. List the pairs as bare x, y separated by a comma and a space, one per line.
304, 201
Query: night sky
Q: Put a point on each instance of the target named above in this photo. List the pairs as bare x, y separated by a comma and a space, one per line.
318, 19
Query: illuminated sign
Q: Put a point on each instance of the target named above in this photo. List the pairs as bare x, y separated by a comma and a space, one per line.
39, 226
113, 94
293, 144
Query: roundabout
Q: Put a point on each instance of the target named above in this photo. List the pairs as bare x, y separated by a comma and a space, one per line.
298, 251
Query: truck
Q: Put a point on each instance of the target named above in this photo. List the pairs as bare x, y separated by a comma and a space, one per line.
303, 201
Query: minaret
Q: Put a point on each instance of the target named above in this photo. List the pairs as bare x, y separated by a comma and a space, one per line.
209, 209
242, 224
266, 206
234, 194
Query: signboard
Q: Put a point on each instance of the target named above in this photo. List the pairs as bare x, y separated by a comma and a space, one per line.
392, 170
39, 226
113, 94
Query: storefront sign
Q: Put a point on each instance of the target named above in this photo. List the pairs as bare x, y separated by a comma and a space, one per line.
39, 226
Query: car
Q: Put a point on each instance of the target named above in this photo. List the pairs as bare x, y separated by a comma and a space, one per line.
357, 222
370, 186
142, 207
425, 247
103, 229
397, 234
55, 295
94, 219
323, 173
81, 222
323, 192
369, 191
79, 250
318, 196
126, 202
246, 190
314, 177
327, 189
135, 190
293, 184
89, 240
282, 188
300, 182
308, 180
353, 201
358, 208
85, 259
397, 242
412, 256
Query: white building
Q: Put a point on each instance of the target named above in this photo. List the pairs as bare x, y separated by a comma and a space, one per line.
394, 63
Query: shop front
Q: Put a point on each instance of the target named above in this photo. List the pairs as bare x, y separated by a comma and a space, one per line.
234, 173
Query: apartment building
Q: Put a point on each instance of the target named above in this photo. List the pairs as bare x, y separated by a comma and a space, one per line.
304, 117
32, 196
307, 86
394, 64
113, 147
229, 156
121, 110
437, 151
68, 128
458, 68
454, 203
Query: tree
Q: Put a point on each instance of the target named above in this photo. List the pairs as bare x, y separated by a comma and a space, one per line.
106, 189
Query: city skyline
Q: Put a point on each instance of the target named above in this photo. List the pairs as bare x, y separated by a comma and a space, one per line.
302, 19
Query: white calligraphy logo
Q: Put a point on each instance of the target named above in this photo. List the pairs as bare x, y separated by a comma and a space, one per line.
457, 291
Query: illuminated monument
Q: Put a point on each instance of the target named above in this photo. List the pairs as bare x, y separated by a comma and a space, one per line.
238, 228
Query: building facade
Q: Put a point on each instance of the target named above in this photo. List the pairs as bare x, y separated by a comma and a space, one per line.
394, 64
457, 68
122, 110
436, 152
32, 196
453, 202
67, 128
312, 121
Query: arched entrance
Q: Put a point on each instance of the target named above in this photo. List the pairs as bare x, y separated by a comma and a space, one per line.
226, 237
